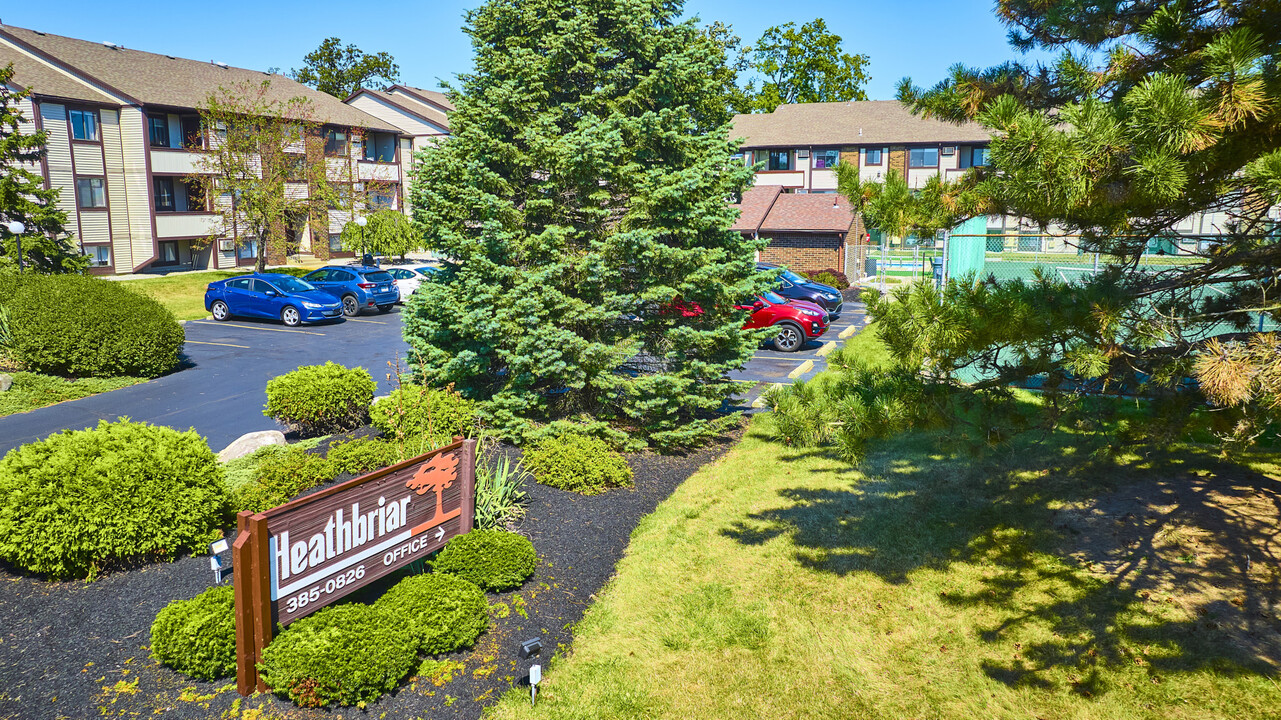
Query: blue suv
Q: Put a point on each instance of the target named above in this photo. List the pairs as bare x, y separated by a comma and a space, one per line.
357, 287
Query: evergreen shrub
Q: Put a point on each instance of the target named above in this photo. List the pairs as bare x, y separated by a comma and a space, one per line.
424, 418
492, 559
578, 463
442, 612
318, 399
81, 500
197, 637
281, 475
362, 455
344, 654
83, 326
830, 276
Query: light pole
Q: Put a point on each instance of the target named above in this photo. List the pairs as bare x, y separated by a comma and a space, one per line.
362, 222
17, 229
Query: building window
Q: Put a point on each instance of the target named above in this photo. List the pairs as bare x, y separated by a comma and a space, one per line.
335, 242
780, 159
162, 193
826, 159
158, 126
195, 191
380, 147
99, 255
923, 157
91, 192
168, 253
84, 125
872, 156
248, 250
978, 156
193, 136
381, 198
341, 198
335, 142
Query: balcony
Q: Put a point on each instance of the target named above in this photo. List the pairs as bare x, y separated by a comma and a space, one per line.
383, 172
174, 160
187, 224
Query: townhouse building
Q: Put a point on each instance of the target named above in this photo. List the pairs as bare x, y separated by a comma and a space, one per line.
124, 138
799, 146
421, 115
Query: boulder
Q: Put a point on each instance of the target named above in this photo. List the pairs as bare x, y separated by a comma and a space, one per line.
376, 399
6, 382
249, 442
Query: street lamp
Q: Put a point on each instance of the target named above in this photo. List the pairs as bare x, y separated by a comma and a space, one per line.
17, 229
362, 222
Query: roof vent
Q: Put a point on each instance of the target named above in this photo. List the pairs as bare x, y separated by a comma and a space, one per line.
222, 65
112, 45
860, 132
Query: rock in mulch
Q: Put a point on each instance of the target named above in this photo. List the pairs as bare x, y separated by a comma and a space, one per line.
249, 442
6, 382
80, 649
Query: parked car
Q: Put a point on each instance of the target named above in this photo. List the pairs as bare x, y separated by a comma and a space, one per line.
795, 287
407, 280
797, 321
270, 295
357, 287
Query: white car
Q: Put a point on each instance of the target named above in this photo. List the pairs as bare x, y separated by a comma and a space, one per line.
407, 280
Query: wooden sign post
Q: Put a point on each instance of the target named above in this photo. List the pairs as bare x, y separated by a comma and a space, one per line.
295, 559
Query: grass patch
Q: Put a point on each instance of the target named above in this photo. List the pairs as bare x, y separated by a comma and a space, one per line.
785, 583
33, 390
182, 293
868, 347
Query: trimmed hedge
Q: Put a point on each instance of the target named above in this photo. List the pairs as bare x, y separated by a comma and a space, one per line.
83, 326
492, 559
197, 637
344, 654
424, 417
362, 455
442, 612
320, 399
830, 276
81, 500
578, 463
281, 475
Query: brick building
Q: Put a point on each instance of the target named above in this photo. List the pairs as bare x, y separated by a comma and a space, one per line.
805, 232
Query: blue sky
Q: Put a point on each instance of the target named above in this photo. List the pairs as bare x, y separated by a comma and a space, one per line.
919, 38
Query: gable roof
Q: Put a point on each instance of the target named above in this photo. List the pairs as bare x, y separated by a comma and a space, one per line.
866, 122
433, 97
48, 80
427, 113
152, 79
768, 208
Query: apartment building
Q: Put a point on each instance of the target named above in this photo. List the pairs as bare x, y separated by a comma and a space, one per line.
124, 137
422, 115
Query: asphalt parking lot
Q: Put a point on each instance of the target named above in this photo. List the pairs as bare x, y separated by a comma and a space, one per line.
222, 391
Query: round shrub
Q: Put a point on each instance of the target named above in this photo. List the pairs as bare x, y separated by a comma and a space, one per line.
83, 326
429, 417
197, 637
578, 463
280, 475
344, 654
492, 559
362, 455
319, 399
81, 500
442, 612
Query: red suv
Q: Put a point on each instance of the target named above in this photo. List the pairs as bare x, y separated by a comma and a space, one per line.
797, 320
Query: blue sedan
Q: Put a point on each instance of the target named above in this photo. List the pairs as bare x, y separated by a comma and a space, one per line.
270, 295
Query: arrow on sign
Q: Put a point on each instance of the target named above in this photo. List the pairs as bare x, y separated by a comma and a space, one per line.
440, 533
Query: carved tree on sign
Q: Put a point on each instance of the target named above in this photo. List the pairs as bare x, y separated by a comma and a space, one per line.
435, 476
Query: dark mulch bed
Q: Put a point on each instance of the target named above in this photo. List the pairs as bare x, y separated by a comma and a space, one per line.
79, 649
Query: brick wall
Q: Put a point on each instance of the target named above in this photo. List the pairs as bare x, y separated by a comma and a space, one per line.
806, 252
898, 159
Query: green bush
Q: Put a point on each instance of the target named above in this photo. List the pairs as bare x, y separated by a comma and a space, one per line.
578, 463
81, 500
442, 612
423, 418
280, 475
344, 654
362, 455
82, 326
197, 637
500, 491
316, 399
493, 559
290, 270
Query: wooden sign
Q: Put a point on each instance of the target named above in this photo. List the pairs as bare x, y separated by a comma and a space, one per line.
295, 559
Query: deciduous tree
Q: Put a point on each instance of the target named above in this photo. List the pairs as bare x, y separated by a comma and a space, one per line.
804, 65
341, 71
583, 190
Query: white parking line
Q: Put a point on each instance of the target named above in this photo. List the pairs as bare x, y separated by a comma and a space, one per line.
255, 327
199, 342
376, 322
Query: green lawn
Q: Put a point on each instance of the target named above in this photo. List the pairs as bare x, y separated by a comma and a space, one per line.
31, 391
182, 293
1045, 582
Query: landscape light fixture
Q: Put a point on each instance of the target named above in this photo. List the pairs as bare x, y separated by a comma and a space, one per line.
530, 648
17, 229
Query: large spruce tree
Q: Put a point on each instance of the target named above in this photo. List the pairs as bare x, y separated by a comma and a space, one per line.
584, 198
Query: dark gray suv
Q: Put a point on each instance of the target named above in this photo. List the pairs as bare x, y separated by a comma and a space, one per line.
795, 287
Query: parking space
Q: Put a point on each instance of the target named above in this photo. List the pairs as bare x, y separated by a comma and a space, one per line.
769, 366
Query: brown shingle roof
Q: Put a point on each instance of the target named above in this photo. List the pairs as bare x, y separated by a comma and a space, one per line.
809, 213
867, 122
431, 96
755, 206
423, 111
49, 81
153, 79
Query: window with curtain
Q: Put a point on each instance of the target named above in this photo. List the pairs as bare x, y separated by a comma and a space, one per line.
91, 192
162, 191
780, 159
158, 126
923, 157
872, 156
826, 159
99, 255
335, 142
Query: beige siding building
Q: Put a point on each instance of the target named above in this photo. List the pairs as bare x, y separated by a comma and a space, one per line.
124, 138
421, 115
